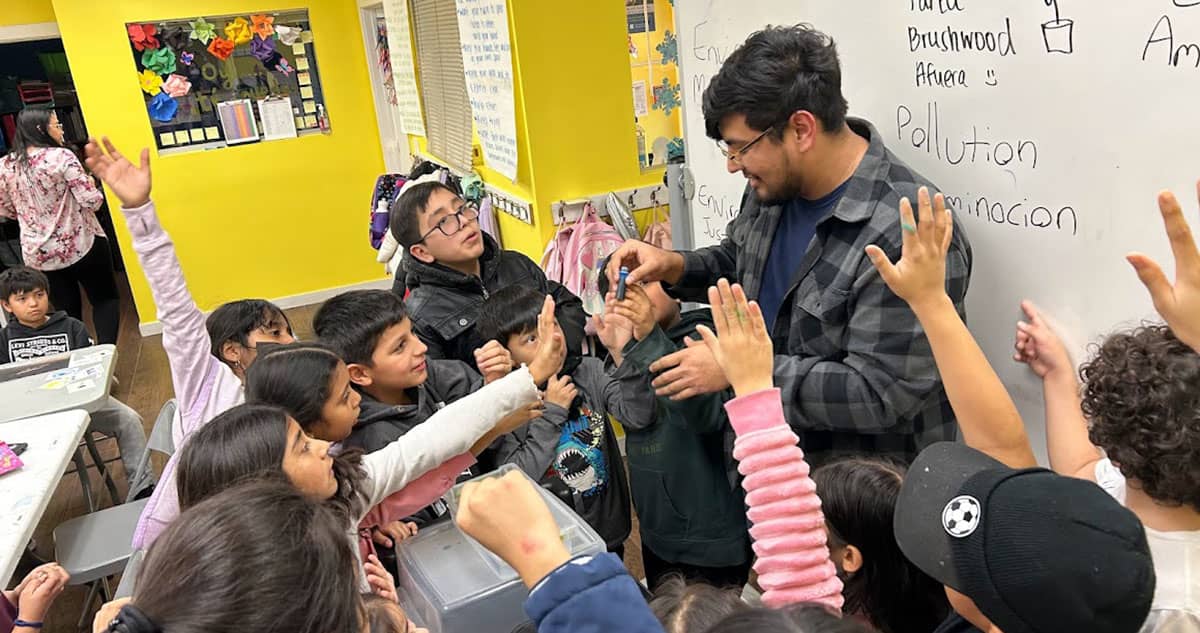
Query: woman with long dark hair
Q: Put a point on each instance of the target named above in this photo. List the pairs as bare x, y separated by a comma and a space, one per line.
44, 186
880, 585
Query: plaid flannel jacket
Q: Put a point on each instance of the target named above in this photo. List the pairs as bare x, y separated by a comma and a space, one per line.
855, 367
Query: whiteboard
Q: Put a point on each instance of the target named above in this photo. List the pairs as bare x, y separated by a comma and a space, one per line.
1051, 143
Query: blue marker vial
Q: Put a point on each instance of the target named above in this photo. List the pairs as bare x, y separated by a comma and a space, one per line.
622, 276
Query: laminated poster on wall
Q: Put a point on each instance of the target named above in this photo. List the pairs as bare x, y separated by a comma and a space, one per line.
487, 58
404, 74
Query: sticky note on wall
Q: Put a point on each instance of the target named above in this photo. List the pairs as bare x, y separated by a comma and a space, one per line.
181, 138
310, 121
166, 138
310, 107
306, 92
305, 79
197, 135
301, 63
212, 133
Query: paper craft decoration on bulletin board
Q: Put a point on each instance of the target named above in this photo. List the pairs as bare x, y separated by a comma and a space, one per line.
201, 78
487, 58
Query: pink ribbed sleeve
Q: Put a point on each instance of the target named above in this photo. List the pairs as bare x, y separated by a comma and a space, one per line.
793, 563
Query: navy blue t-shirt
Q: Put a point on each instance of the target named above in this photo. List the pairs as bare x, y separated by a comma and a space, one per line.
797, 225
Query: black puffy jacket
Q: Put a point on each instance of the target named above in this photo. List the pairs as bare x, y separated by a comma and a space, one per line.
444, 303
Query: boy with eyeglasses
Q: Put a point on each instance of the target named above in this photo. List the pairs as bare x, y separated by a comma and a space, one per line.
453, 267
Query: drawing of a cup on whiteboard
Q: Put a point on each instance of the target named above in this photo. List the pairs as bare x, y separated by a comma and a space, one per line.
1058, 33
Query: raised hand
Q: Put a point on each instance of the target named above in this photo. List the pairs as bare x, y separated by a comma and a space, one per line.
741, 345
636, 308
1040, 347
131, 183
551, 349
1178, 304
614, 333
920, 275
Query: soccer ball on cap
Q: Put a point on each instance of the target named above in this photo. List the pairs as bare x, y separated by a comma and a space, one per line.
961, 516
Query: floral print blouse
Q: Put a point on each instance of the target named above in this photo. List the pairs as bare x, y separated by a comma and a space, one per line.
55, 202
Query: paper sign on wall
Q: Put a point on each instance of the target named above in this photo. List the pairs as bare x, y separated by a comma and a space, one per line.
487, 60
277, 118
639, 98
237, 119
404, 75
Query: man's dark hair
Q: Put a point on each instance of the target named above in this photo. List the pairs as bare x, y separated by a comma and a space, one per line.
353, 322
777, 71
405, 211
21, 279
1142, 395
508, 311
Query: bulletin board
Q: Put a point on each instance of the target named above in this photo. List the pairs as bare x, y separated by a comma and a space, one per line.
195, 72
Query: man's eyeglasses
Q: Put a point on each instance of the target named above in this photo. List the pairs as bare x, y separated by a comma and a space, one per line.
735, 155
453, 223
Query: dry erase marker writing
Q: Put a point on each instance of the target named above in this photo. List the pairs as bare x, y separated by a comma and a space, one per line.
622, 276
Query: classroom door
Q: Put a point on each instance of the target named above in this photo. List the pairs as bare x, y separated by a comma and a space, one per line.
391, 133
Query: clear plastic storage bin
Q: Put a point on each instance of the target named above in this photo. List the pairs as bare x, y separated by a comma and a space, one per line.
449, 583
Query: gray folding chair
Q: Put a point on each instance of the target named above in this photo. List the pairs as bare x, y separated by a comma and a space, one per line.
95, 546
160, 441
129, 576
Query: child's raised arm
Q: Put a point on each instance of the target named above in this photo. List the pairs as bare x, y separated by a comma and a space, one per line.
1071, 452
793, 563
986, 414
185, 338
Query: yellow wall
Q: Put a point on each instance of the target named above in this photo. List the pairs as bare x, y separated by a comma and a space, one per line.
26, 12
269, 219
648, 67
575, 128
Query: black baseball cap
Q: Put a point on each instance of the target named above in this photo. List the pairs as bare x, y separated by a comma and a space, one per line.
1036, 551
